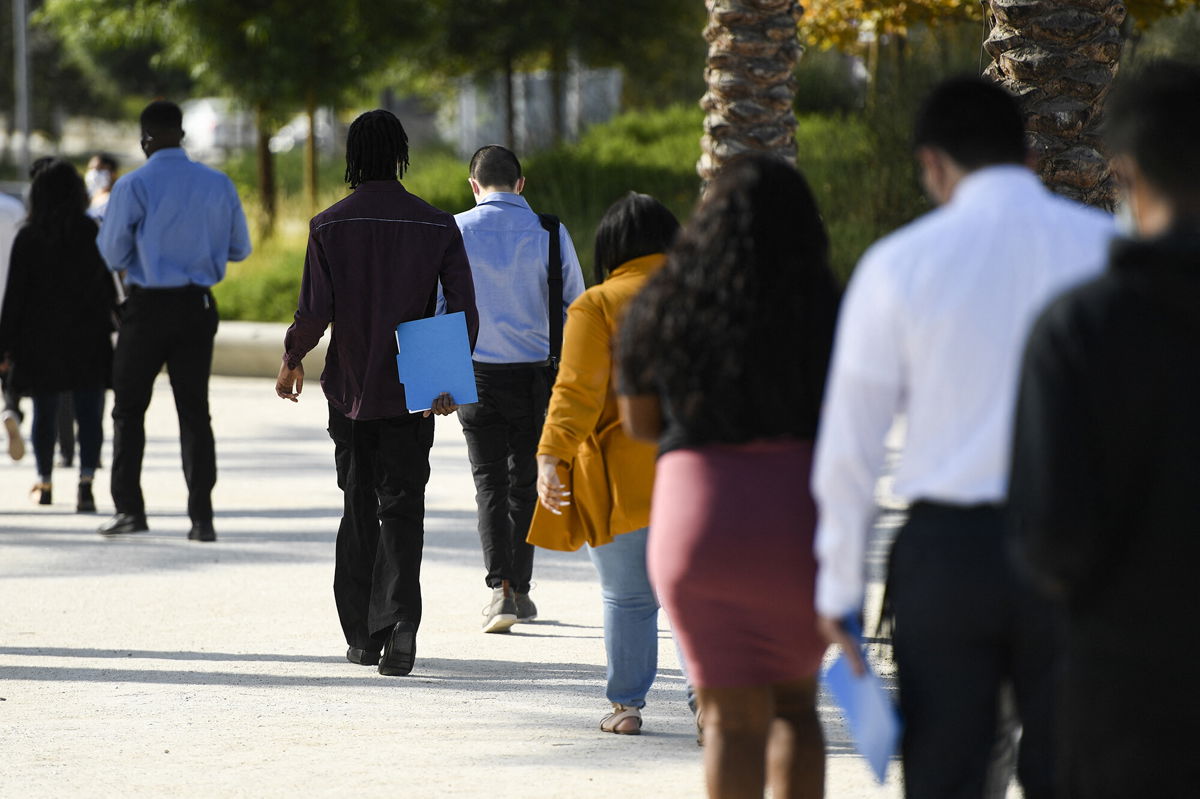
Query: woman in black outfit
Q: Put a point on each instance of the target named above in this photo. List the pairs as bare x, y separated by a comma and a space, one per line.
56, 324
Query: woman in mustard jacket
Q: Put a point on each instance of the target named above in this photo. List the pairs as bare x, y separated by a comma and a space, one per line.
594, 482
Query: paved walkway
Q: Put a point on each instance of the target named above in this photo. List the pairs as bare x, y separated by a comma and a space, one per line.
154, 664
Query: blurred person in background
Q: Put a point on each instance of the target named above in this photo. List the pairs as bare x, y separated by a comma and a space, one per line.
56, 322
100, 176
12, 212
594, 481
723, 359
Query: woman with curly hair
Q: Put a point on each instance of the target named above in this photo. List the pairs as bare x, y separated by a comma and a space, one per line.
723, 361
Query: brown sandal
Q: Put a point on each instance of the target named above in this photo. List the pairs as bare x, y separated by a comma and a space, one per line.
618, 721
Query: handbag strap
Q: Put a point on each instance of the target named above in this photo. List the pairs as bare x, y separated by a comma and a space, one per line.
554, 279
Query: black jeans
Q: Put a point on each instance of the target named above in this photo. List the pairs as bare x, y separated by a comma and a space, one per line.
173, 327
382, 469
965, 623
86, 407
502, 432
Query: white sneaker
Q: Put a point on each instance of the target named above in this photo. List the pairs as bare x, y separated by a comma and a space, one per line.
16, 444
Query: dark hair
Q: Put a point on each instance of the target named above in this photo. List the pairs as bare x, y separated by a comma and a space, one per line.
974, 121
58, 200
376, 146
1153, 117
106, 160
39, 164
162, 116
633, 226
744, 308
493, 165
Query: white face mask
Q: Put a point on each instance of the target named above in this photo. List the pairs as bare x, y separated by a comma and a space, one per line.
1126, 221
97, 180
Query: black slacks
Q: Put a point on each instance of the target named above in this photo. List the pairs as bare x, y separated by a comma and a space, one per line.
173, 327
502, 432
965, 623
382, 469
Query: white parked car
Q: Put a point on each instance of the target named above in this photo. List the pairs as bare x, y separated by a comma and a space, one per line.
214, 126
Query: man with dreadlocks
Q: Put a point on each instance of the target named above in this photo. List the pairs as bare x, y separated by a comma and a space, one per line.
374, 260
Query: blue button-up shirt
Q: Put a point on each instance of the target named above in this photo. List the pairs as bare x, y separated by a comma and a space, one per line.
509, 252
173, 222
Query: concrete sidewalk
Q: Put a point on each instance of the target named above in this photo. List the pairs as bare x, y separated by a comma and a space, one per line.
155, 664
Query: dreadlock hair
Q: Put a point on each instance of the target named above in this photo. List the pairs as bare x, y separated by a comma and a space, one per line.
58, 201
744, 308
376, 146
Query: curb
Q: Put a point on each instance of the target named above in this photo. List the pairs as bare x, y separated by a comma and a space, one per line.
255, 349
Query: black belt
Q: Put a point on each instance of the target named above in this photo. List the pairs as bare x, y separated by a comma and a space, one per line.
191, 288
509, 367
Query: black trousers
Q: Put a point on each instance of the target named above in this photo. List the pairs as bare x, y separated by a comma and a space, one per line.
173, 327
502, 432
965, 623
382, 469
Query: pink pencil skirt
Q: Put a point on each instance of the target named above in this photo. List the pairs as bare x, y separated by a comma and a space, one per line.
730, 556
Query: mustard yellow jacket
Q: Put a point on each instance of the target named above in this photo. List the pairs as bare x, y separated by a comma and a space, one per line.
610, 476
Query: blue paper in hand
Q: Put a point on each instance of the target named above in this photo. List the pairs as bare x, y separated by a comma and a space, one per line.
435, 359
873, 720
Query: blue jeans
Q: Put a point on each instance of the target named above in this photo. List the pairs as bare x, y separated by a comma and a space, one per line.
89, 411
630, 617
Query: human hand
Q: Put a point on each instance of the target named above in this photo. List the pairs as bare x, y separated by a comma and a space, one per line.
442, 406
289, 379
551, 492
835, 633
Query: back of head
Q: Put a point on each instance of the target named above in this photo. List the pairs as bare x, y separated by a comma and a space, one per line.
105, 161
39, 164
1153, 117
974, 121
162, 117
58, 200
376, 148
633, 226
495, 167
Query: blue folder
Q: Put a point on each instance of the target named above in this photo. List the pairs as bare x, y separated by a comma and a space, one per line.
435, 359
873, 720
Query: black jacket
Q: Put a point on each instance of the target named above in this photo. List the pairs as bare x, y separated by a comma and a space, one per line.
56, 323
1105, 496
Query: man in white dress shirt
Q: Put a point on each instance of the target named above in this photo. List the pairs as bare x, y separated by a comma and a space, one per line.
932, 328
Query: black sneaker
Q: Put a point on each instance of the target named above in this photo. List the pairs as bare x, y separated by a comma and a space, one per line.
526, 610
85, 503
501, 612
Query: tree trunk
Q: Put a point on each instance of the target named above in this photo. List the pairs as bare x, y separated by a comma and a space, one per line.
752, 50
1059, 57
510, 105
266, 174
310, 151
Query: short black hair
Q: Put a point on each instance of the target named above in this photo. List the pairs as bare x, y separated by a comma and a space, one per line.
106, 160
493, 165
376, 147
974, 121
1153, 116
162, 116
633, 226
39, 164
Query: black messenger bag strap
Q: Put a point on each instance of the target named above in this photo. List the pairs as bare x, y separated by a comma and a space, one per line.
554, 279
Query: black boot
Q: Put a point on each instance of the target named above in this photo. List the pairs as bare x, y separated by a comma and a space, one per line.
85, 503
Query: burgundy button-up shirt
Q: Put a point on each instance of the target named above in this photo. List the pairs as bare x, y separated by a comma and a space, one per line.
374, 260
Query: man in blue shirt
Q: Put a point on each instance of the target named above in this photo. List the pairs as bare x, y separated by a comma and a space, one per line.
509, 250
170, 227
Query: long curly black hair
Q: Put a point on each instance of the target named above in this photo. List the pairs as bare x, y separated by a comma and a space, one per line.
58, 201
735, 332
376, 148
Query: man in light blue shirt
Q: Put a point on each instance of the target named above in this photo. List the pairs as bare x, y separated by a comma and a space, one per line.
510, 252
171, 227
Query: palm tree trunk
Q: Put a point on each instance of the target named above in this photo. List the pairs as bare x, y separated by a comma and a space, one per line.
1059, 57
752, 50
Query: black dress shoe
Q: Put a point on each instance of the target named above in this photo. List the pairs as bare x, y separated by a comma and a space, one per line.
363, 657
124, 523
400, 651
202, 531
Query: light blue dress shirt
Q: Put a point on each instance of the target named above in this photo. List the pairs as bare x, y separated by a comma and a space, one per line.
173, 222
509, 251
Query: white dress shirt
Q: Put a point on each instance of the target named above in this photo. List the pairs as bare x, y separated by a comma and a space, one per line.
932, 327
